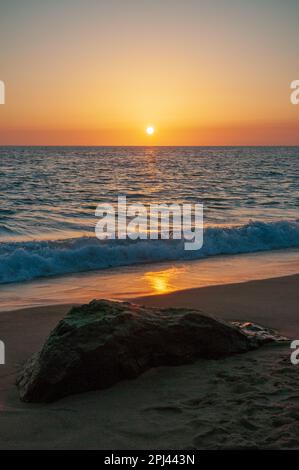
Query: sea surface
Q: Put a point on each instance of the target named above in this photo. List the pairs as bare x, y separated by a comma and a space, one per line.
48, 197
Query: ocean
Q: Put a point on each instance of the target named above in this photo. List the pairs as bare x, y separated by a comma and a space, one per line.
48, 198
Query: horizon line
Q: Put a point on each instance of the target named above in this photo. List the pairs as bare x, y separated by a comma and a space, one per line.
140, 146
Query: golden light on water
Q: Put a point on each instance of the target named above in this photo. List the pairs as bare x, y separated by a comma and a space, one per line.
162, 282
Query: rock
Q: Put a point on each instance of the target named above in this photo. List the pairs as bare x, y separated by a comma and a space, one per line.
99, 344
261, 334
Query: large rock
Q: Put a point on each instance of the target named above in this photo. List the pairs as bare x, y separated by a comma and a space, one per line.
98, 344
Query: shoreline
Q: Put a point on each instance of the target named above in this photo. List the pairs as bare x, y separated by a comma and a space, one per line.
167, 407
263, 301
223, 300
272, 303
142, 280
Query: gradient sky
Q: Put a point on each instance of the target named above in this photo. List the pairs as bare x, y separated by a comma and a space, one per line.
203, 72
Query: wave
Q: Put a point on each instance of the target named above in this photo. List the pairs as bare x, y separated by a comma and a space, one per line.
23, 261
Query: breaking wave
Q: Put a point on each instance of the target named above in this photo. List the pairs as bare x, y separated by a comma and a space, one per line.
23, 261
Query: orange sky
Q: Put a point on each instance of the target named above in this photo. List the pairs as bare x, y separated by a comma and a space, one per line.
98, 73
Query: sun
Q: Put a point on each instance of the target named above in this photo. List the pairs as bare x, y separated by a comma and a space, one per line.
150, 130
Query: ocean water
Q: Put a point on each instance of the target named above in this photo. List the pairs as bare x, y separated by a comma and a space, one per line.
48, 197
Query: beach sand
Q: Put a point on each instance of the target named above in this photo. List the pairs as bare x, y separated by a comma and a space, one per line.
273, 303
246, 401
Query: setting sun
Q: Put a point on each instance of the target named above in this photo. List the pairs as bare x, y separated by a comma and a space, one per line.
150, 130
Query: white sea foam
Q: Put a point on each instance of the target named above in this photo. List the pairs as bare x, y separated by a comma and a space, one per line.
20, 261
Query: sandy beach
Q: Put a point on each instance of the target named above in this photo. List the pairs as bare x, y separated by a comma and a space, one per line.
149, 226
270, 302
246, 401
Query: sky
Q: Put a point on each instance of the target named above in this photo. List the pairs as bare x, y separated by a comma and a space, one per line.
98, 72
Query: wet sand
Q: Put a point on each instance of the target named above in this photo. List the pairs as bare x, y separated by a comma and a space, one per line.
246, 401
273, 303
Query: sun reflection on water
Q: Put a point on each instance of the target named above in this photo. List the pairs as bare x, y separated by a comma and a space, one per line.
162, 282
